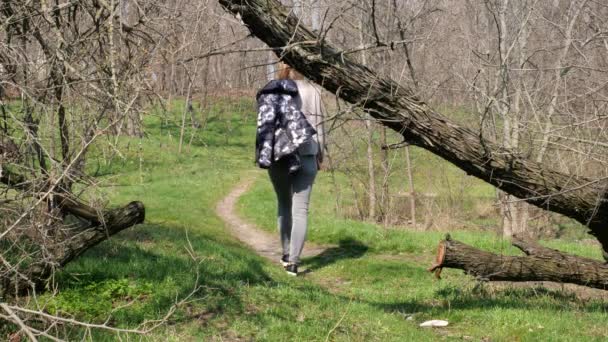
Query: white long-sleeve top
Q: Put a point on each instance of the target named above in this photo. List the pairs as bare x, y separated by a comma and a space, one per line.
312, 107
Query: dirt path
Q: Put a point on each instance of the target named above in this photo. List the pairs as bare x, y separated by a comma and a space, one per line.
262, 242
268, 246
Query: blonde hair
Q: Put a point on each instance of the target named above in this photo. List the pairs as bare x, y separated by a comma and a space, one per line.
285, 72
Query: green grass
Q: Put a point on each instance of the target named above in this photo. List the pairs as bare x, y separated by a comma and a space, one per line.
386, 268
370, 286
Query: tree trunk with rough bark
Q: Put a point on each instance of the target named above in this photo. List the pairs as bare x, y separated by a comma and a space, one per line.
67, 244
539, 264
371, 173
395, 106
410, 184
76, 242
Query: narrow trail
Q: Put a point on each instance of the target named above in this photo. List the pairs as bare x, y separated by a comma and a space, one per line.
262, 242
268, 246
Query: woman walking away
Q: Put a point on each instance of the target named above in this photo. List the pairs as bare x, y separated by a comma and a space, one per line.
289, 144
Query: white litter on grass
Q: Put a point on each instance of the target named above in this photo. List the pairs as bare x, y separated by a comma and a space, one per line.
434, 323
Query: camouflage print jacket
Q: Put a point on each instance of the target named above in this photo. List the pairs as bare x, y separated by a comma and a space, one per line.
282, 127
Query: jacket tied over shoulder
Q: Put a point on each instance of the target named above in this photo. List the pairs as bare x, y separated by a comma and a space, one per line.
282, 127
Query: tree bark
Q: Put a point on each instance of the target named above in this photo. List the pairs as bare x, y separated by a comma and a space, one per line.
410, 183
77, 242
72, 242
372, 194
395, 106
539, 264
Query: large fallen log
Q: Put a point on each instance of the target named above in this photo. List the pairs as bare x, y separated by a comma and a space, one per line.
395, 106
94, 227
539, 264
74, 242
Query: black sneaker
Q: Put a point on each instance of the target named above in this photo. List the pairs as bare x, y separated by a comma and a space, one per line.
285, 260
292, 269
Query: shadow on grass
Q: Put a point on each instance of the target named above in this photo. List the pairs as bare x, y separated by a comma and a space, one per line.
154, 261
348, 248
530, 298
153, 257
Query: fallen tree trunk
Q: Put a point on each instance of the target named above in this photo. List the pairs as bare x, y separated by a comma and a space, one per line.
35, 270
74, 242
395, 106
539, 264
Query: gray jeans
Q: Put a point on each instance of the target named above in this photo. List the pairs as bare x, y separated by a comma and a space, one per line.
293, 195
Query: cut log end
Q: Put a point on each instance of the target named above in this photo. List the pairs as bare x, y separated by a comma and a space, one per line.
437, 266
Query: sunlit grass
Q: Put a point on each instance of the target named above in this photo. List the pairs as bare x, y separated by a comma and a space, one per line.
370, 285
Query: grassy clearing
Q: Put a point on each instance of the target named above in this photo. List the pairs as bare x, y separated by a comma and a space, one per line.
327, 228
386, 268
373, 282
241, 296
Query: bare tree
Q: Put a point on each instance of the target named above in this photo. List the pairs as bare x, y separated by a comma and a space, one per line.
76, 73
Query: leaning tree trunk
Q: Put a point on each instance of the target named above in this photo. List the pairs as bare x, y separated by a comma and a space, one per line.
395, 106
539, 264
